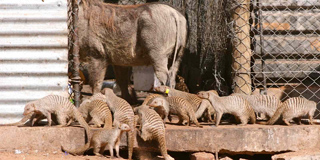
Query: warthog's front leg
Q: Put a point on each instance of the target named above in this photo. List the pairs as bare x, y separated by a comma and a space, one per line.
122, 77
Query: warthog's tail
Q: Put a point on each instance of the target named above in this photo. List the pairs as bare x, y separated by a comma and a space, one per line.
176, 48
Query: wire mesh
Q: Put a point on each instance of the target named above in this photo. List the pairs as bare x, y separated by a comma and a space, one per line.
280, 53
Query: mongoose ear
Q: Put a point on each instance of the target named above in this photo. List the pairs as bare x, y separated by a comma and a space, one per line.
103, 91
33, 106
118, 125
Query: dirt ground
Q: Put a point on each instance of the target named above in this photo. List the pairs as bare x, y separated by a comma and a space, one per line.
46, 156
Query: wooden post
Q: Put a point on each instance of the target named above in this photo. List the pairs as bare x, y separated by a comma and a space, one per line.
241, 47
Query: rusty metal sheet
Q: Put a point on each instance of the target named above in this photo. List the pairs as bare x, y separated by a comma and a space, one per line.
305, 20
288, 3
284, 68
33, 53
144, 78
288, 44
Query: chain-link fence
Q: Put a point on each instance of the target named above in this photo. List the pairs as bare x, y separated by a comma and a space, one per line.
276, 48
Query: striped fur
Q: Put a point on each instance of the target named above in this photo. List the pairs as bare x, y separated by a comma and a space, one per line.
122, 113
101, 139
149, 97
234, 105
199, 105
262, 104
153, 128
177, 106
58, 105
295, 107
163, 111
97, 111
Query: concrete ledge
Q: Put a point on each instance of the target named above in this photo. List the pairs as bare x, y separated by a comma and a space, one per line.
40, 139
242, 139
300, 155
225, 139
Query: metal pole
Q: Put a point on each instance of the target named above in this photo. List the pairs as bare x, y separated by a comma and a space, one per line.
75, 80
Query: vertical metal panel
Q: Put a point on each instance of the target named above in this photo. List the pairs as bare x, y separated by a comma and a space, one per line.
144, 78
33, 53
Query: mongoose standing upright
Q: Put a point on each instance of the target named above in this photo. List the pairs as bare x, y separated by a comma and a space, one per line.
178, 106
101, 139
152, 128
295, 107
122, 113
58, 105
199, 105
97, 111
262, 104
235, 105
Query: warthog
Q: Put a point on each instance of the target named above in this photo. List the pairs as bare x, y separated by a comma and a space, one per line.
123, 36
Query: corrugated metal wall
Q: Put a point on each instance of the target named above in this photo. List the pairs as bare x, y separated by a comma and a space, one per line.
33, 53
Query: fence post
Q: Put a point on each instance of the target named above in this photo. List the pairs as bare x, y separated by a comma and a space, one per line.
241, 47
75, 53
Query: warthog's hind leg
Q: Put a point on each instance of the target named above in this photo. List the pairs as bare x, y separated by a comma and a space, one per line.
97, 71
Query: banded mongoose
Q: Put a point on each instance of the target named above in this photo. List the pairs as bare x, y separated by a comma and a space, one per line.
177, 106
162, 111
262, 104
122, 113
152, 128
234, 105
295, 107
101, 139
199, 105
58, 105
97, 111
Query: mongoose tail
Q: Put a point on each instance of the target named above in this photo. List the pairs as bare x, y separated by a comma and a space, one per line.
108, 123
193, 119
163, 148
276, 116
131, 137
21, 122
77, 115
78, 151
252, 115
